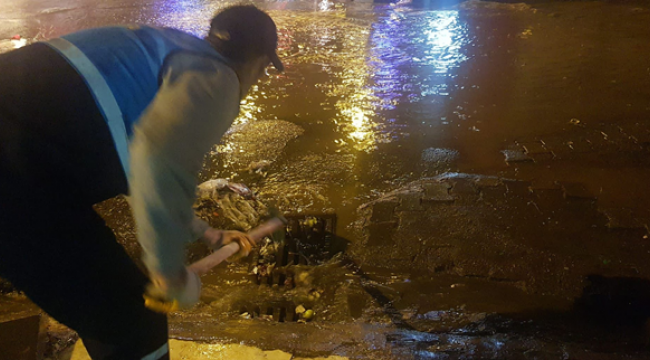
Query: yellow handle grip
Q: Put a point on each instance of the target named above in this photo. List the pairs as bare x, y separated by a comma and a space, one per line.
159, 305
204, 265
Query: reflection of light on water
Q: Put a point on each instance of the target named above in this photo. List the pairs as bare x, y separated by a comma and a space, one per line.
337, 46
427, 43
440, 33
445, 36
324, 5
358, 123
249, 107
373, 66
360, 126
356, 106
192, 16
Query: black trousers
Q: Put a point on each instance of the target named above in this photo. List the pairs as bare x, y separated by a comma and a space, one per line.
56, 160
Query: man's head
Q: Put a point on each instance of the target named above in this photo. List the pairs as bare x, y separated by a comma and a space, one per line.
248, 37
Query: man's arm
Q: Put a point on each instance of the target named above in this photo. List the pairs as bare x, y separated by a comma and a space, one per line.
196, 104
199, 227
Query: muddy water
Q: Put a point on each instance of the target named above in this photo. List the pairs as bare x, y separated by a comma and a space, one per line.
376, 96
378, 87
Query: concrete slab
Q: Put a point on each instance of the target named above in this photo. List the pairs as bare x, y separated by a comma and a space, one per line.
381, 233
576, 190
544, 185
549, 199
19, 338
436, 155
579, 145
488, 182
622, 218
411, 201
556, 144
598, 139
630, 147
465, 190
534, 147
516, 156
437, 191
541, 157
180, 349
383, 211
493, 194
520, 188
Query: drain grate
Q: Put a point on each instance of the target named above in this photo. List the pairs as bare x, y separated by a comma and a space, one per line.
308, 240
274, 311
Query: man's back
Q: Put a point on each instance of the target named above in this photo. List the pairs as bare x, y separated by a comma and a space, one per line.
130, 60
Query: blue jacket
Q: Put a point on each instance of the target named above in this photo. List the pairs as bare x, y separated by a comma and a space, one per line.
168, 98
129, 60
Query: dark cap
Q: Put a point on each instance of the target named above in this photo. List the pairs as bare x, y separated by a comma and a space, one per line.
243, 32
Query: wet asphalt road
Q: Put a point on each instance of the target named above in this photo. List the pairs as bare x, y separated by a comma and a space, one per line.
484, 159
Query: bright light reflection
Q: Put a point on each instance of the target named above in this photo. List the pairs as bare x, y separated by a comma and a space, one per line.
431, 42
248, 107
325, 5
445, 36
192, 16
360, 126
357, 104
414, 54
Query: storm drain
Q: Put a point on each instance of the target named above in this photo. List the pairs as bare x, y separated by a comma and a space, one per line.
308, 240
274, 311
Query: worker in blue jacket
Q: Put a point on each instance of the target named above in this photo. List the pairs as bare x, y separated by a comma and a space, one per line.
110, 111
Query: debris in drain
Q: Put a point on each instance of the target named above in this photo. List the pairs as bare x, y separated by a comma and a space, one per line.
314, 294
304, 278
305, 315
245, 315
229, 205
211, 188
308, 315
282, 311
310, 222
292, 270
309, 240
263, 269
266, 317
241, 190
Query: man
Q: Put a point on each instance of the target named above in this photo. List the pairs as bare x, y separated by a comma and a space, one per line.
68, 109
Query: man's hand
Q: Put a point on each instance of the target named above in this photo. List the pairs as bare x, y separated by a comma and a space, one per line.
170, 293
215, 239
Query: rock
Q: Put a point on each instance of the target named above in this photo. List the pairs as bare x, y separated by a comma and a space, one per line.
433, 315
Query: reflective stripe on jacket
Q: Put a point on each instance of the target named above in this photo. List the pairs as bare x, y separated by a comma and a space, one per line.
122, 67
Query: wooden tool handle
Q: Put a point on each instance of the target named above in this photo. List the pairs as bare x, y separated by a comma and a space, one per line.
265, 229
206, 264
